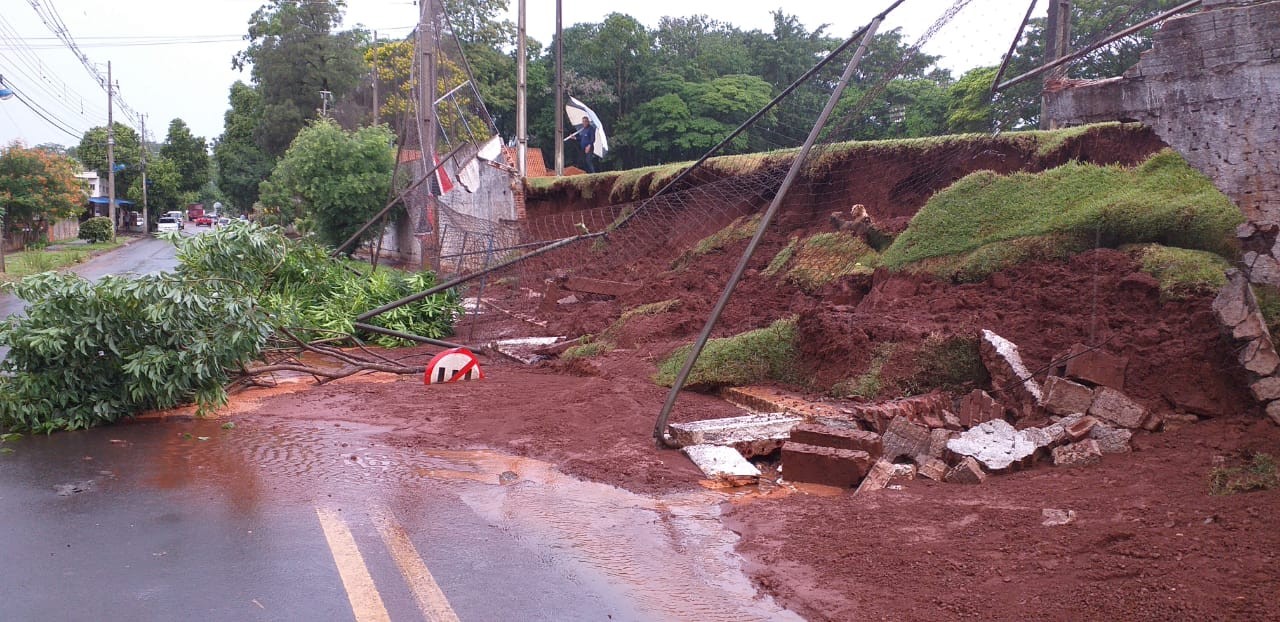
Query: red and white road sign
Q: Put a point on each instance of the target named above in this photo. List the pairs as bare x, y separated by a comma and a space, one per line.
453, 365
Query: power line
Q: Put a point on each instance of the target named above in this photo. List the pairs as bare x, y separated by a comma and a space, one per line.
28, 63
44, 114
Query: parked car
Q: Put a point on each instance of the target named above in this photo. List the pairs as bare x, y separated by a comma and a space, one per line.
204, 221
177, 217
167, 223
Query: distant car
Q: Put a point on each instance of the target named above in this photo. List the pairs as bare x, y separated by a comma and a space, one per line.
177, 217
204, 221
224, 221
167, 223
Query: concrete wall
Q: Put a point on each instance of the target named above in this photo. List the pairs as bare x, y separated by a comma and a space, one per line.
1210, 88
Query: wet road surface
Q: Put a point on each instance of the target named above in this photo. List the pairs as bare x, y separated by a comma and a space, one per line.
293, 520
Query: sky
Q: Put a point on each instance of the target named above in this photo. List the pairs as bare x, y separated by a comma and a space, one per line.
172, 59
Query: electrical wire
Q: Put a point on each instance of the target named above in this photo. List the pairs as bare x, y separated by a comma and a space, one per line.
43, 114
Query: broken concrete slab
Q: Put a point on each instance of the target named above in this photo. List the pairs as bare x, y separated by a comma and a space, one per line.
732, 430
723, 464
1080, 427
967, 472
1064, 397
525, 349
1253, 326
905, 439
839, 438
773, 400
1273, 412
1057, 518
996, 444
1008, 373
926, 410
904, 471
843, 468
938, 442
1083, 453
1096, 367
877, 478
1115, 407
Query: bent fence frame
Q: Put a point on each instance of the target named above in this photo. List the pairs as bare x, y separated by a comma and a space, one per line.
363, 319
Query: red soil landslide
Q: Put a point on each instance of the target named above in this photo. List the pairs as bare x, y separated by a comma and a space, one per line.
1148, 541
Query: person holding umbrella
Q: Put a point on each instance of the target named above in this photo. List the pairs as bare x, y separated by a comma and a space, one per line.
587, 141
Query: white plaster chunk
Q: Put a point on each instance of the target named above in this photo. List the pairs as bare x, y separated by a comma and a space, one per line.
1009, 352
717, 462
996, 444
733, 430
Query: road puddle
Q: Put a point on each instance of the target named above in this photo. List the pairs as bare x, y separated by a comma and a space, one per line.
668, 556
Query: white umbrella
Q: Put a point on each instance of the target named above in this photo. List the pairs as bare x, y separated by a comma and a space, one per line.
576, 110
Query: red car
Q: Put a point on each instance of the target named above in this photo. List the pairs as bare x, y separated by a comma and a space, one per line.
204, 221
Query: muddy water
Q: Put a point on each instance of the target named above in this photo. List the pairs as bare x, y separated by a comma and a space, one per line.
669, 557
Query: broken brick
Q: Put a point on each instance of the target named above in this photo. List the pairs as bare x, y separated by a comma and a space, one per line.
1111, 440
1096, 367
838, 438
1115, 407
1080, 428
979, 407
932, 468
967, 472
1083, 453
1063, 397
877, 478
904, 438
938, 442
842, 468
1266, 390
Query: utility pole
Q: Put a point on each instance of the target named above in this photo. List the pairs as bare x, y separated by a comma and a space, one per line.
427, 43
325, 96
1057, 34
375, 77
522, 96
146, 218
559, 90
111, 154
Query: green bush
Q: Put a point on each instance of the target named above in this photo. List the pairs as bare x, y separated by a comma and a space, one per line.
1061, 211
97, 229
755, 356
91, 353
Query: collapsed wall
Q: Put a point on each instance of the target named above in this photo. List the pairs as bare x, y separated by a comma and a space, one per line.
1210, 88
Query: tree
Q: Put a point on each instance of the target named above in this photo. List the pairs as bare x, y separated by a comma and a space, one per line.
241, 164
295, 54
331, 181
92, 153
37, 186
164, 187
694, 116
700, 48
189, 154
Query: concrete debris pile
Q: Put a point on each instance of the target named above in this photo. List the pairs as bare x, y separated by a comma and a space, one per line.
1237, 311
1081, 409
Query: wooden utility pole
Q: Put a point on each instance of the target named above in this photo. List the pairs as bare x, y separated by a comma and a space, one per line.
1057, 44
428, 39
375, 77
146, 218
111, 153
522, 95
559, 90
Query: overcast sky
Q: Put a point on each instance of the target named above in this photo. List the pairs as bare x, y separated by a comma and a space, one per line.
173, 58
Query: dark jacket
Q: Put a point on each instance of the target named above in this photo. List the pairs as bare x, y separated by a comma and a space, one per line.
587, 137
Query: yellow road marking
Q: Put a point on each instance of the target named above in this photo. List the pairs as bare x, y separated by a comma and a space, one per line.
366, 603
426, 591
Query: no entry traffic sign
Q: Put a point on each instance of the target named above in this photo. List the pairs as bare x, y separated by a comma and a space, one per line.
451, 366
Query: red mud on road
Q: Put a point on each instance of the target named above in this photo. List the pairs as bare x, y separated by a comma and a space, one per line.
1148, 543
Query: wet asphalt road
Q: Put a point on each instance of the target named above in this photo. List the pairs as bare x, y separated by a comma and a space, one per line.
189, 520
